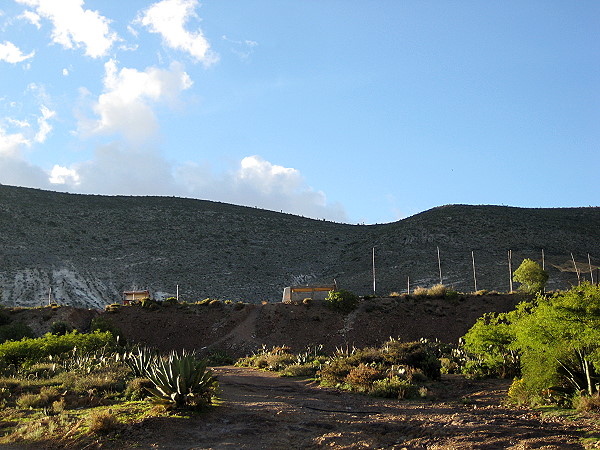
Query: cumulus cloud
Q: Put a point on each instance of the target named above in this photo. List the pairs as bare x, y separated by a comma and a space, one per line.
32, 18
10, 53
120, 169
126, 106
64, 175
257, 182
74, 26
168, 18
14, 168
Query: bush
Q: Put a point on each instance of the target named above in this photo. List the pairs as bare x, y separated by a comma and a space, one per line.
342, 300
45, 398
437, 291
137, 389
531, 276
32, 350
420, 292
15, 332
417, 355
393, 387
170, 301
585, 403
517, 393
60, 327
361, 378
102, 421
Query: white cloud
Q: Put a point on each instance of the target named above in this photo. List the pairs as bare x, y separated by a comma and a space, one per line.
168, 18
65, 72
257, 182
14, 168
75, 26
126, 105
64, 175
32, 18
44, 127
10, 53
122, 169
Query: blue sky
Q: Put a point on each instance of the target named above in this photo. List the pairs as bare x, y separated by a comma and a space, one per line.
354, 111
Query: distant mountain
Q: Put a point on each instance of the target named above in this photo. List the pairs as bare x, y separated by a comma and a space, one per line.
88, 249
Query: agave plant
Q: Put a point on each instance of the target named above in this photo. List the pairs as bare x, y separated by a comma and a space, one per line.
140, 361
182, 379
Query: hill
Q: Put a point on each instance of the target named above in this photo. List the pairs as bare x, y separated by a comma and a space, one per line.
89, 248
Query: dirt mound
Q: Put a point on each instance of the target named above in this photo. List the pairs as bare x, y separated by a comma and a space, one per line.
239, 329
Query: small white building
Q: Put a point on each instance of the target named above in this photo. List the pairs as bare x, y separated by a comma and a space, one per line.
130, 297
315, 292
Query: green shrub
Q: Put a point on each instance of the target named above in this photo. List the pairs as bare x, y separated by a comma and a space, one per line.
60, 327
102, 324
45, 398
342, 300
393, 387
587, 403
219, 358
170, 301
300, 370
137, 389
417, 355
32, 350
531, 276
517, 393
15, 332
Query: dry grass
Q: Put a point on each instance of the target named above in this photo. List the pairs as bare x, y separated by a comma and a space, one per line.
102, 421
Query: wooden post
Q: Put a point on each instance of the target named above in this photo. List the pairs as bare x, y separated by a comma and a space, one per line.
576, 270
177, 293
373, 270
591, 271
474, 273
543, 267
440, 265
510, 280
408, 285
543, 261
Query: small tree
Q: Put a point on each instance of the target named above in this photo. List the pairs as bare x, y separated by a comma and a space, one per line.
531, 276
342, 300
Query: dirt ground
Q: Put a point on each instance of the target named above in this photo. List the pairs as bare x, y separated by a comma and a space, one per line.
263, 411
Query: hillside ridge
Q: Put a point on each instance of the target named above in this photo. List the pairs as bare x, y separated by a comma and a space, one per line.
89, 248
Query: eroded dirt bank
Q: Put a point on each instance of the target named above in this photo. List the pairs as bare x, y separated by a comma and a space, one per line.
239, 330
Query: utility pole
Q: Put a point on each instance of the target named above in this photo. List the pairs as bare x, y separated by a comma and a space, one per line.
440, 265
408, 285
591, 271
373, 270
474, 273
510, 270
177, 293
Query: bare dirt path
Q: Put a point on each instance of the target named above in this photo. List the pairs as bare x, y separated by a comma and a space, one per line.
264, 411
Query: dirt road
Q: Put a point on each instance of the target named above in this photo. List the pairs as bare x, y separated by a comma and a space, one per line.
264, 411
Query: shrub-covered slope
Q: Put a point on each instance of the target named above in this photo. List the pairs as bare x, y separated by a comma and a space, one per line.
90, 248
